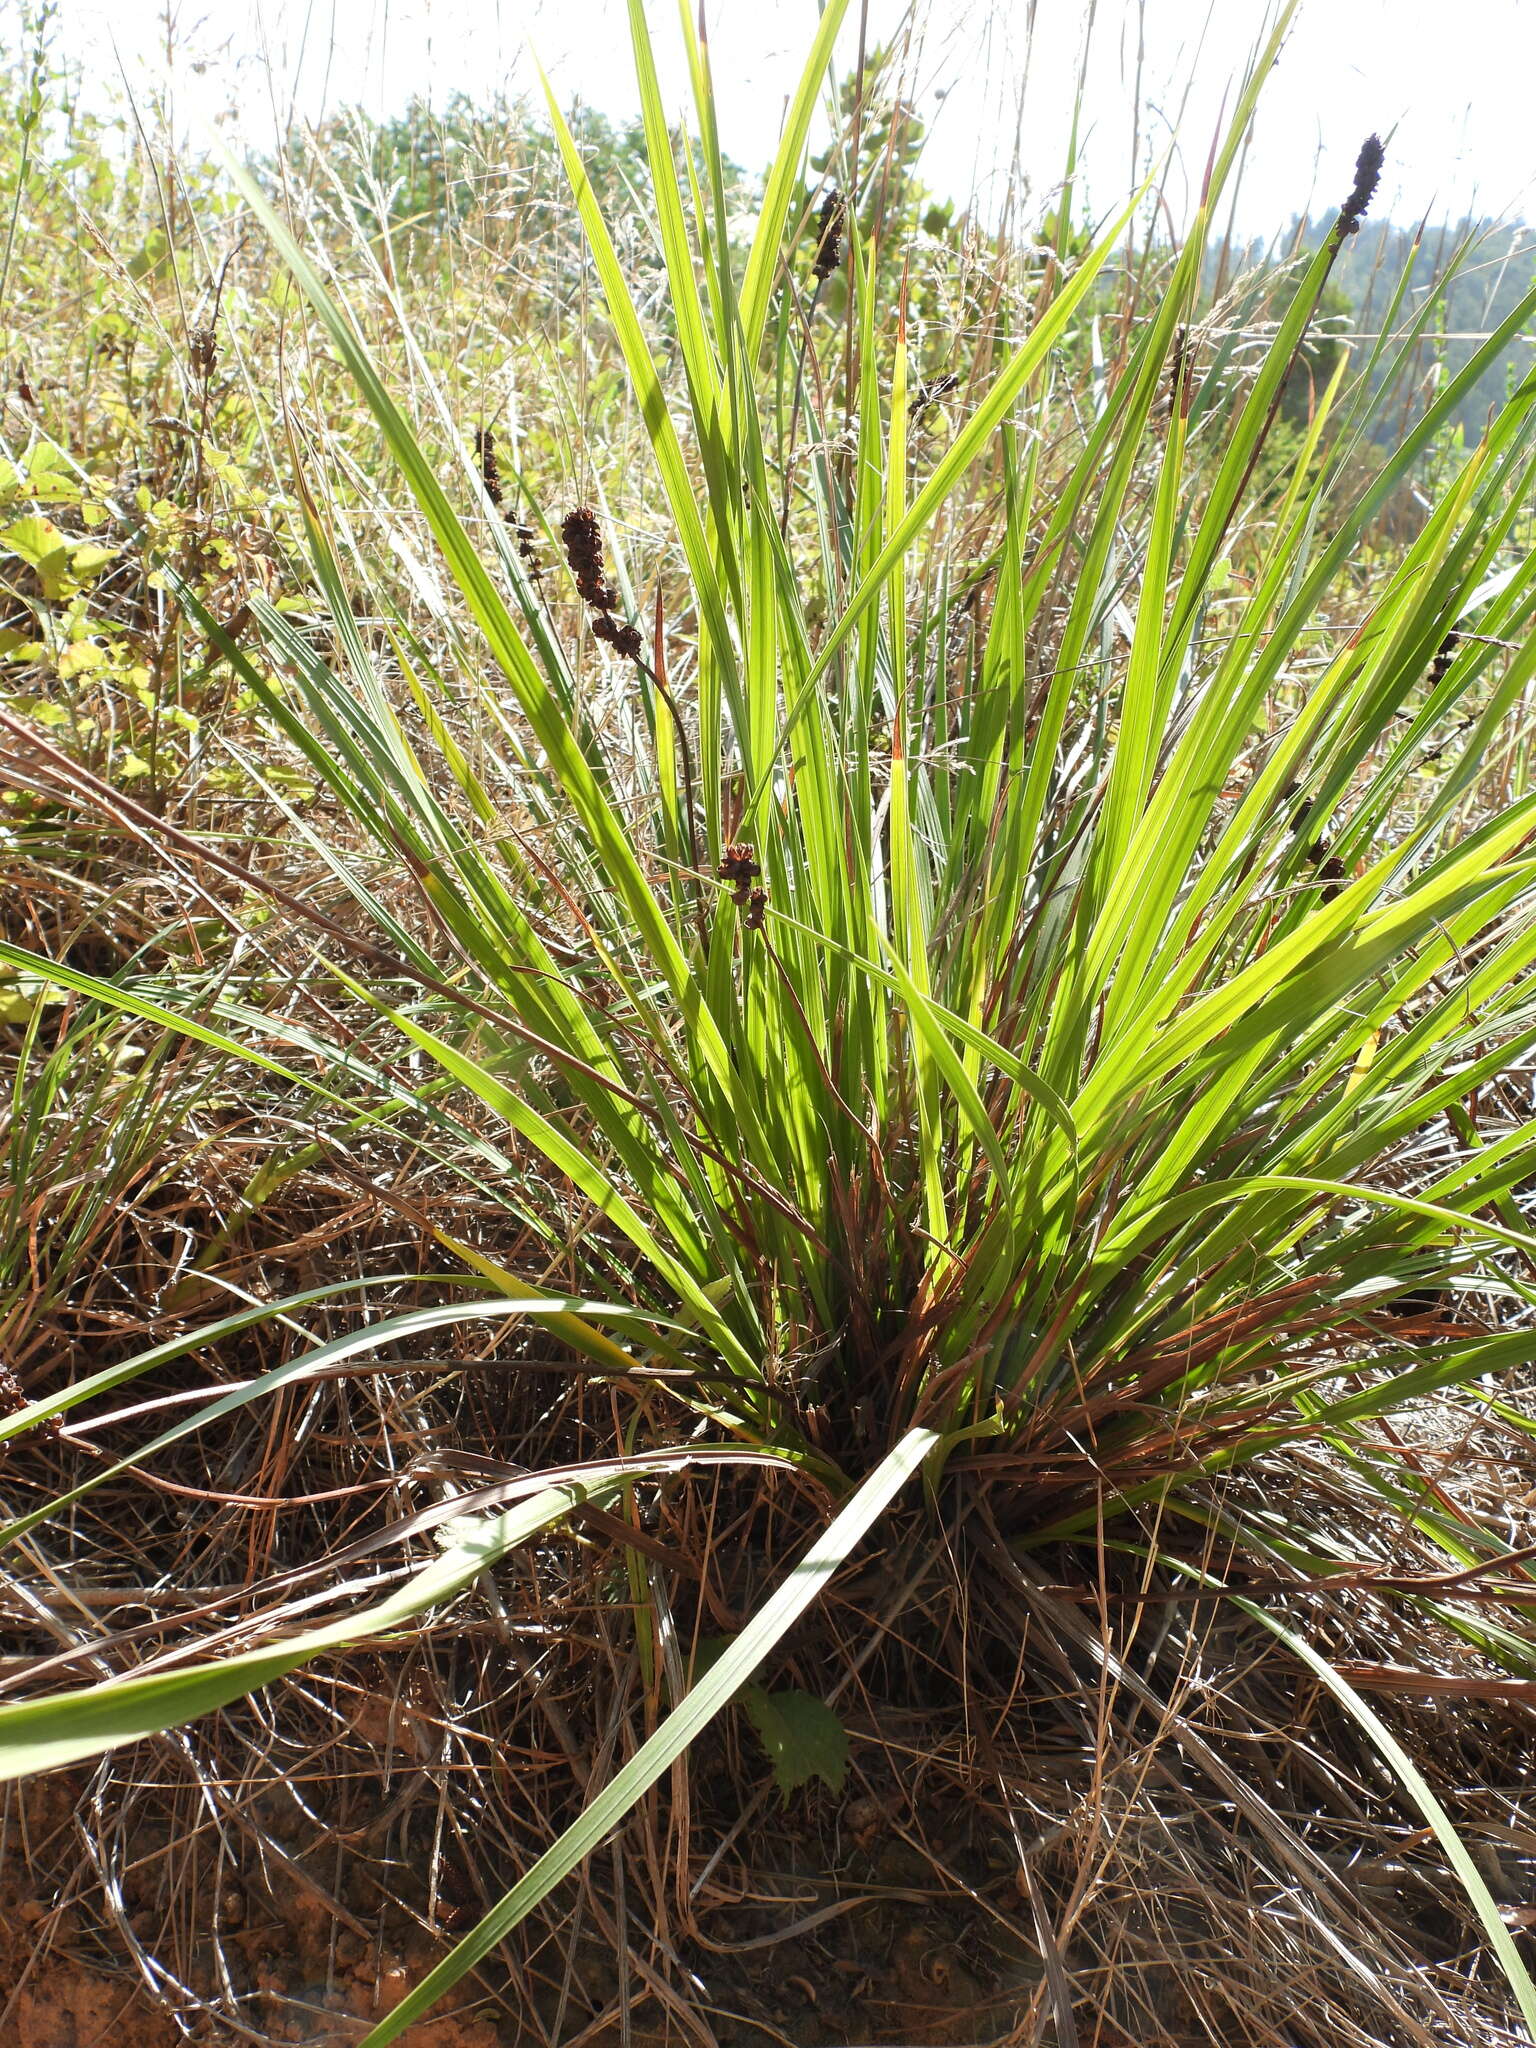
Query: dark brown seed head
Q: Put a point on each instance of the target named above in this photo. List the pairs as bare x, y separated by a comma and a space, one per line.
526, 548
621, 636
1333, 870
1178, 361
930, 392
1433, 1303
583, 540
740, 868
757, 904
490, 471
1445, 655
1367, 177
740, 863
829, 236
204, 351
13, 1397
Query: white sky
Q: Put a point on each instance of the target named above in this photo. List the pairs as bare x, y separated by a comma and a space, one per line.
1453, 77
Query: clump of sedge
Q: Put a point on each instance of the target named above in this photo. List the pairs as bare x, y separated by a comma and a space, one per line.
829, 236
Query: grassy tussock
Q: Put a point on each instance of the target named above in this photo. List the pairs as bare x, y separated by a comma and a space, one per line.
767, 1002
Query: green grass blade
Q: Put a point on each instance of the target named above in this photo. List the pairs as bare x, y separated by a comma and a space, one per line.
63, 1728
1417, 1787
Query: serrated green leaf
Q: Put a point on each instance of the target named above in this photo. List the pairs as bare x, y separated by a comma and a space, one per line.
803, 1737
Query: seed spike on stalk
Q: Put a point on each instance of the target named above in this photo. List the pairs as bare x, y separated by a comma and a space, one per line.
829, 235
1367, 177
490, 468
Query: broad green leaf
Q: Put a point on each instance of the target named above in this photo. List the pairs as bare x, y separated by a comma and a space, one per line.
45, 549
803, 1737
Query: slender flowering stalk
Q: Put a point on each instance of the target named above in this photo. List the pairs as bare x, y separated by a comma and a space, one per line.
830, 222
583, 541
490, 476
1367, 177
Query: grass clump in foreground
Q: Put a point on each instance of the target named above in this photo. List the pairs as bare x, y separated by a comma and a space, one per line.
967, 1040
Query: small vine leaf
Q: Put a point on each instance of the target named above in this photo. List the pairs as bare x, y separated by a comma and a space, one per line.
803, 1737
